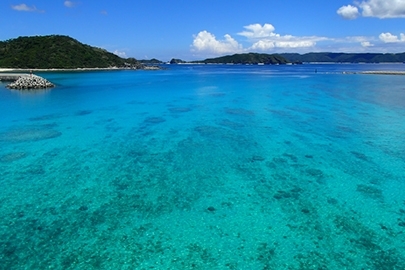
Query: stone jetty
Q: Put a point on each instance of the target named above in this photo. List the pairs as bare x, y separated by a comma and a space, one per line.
384, 72
26, 81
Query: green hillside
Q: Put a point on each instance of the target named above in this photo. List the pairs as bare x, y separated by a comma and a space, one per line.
247, 58
56, 51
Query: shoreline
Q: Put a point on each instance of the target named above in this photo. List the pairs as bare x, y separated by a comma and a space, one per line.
25, 70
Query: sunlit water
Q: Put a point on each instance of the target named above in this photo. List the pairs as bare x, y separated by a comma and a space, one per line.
205, 167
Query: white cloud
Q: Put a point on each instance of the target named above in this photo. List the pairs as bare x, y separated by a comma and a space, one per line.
383, 8
69, 4
258, 31
366, 44
259, 37
263, 45
348, 12
357, 39
390, 38
120, 54
207, 42
375, 8
269, 44
24, 7
265, 38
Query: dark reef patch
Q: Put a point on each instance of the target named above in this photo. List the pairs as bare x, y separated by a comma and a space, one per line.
360, 156
10, 157
265, 255
223, 134
230, 124
314, 172
257, 158
35, 170
370, 191
154, 120
239, 111
291, 157
209, 131
83, 112
29, 134
180, 109
293, 193
46, 117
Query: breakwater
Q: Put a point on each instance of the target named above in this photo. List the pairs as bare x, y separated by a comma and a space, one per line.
25, 81
384, 72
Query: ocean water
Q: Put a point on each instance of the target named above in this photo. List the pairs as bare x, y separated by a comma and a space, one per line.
205, 167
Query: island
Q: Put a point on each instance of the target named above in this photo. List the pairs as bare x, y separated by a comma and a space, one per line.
59, 52
56, 52
247, 59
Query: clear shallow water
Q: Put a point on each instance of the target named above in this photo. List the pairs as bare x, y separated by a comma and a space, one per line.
205, 167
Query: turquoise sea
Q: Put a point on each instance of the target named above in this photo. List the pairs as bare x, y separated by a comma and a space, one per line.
205, 167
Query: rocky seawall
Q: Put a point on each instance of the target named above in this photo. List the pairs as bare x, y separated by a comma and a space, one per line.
384, 72
30, 82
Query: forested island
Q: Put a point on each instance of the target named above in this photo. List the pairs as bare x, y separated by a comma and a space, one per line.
58, 52
247, 58
295, 58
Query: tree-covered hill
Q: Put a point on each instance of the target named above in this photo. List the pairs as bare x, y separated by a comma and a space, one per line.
247, 58
57, 51
152, 61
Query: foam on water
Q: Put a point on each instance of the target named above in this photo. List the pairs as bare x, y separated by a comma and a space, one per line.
205, 167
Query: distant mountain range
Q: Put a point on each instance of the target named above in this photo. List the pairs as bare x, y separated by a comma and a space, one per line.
56, 51
247, 58
295, 58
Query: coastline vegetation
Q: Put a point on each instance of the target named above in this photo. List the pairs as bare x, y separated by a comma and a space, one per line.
247, 58
57, 51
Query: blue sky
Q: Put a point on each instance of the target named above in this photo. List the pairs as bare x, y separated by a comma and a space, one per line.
198, 29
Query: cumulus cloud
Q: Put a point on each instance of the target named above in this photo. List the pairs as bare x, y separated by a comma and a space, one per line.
24, 7
366, 44
258, 31
265, 38
260, 37
69, 4
207, 42
120, 54
269, 44
383, 8
375, 8
348, 12
390, 38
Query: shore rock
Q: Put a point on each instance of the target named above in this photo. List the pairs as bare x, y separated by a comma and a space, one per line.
30, 82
